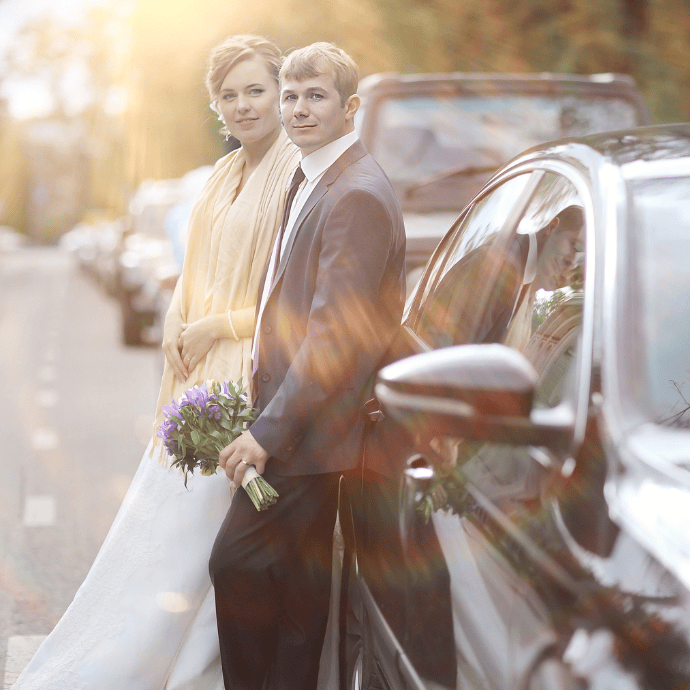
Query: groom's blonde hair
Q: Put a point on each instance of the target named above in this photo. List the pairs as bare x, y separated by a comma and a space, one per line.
323, 58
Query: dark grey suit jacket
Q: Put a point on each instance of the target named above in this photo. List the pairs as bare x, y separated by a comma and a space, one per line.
333, 311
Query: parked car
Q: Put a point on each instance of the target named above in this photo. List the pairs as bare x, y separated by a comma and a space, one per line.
522, 516
96, 245
166, 274
440, 137
144, 248
11, 240
149, 258
109, 246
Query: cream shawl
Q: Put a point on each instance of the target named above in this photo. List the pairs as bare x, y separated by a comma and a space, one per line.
228, 245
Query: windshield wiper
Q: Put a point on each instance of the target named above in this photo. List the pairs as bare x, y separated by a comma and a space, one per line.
467, 171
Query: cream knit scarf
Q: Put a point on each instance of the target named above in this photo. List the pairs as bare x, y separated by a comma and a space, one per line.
228, 245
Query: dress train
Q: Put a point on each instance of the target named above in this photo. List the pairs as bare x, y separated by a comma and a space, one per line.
144, 618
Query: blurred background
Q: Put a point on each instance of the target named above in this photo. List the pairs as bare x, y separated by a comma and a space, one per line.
106, 137
97, 96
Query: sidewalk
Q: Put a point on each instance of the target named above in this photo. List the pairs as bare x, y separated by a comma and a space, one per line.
20, 649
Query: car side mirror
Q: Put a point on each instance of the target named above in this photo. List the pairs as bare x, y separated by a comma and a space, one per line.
481, 393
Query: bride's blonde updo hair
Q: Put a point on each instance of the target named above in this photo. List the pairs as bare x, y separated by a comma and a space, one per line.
234, 49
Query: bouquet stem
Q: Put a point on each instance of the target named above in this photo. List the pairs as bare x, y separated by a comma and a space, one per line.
261, 493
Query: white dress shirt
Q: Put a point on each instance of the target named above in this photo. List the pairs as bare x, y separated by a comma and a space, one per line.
531, 264
314, 166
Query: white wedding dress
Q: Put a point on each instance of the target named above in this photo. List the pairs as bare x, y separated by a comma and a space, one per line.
144, 618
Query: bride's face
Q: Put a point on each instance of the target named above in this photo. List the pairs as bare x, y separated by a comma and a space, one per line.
248, 101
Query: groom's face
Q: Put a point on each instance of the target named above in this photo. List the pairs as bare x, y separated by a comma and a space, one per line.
312, 113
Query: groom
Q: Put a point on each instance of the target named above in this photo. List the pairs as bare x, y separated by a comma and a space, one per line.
331, 304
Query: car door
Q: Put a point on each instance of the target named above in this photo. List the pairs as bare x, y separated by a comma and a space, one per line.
436, 514
374, 496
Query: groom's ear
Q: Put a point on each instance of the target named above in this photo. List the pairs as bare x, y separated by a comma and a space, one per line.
352, 106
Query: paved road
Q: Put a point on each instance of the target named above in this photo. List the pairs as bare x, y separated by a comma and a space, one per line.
76, 409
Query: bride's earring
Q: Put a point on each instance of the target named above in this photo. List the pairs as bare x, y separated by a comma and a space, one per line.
216, 110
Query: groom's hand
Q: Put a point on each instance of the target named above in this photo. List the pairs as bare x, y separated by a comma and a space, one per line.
242, 452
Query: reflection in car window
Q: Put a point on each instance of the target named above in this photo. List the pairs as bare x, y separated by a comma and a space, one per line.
459, 284
520, 289
662, 218
534, 304
535, 307
546, 324
479, 130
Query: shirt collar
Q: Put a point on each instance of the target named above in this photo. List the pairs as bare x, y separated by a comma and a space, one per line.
319, 161
531, 264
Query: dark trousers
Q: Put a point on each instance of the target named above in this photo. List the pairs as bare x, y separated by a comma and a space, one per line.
271, 571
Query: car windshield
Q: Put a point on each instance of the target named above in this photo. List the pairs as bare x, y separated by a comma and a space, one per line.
419, 138
661, 230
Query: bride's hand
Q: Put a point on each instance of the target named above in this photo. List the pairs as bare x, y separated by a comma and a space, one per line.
171, 336
197, 338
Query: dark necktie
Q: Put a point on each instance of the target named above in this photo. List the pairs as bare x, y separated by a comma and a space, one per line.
297, 178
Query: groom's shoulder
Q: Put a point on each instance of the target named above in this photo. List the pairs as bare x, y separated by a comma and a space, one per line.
365, 187
364, 174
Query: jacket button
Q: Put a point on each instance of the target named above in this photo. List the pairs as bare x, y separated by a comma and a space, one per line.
267, 329
265, 378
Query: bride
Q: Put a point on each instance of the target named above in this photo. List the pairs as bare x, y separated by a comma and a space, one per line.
144, 618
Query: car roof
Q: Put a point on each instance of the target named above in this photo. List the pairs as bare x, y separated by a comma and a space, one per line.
608, 84
543, 80
622, 148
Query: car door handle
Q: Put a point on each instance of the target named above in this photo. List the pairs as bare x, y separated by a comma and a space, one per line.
417, 477
373, 410
419, 470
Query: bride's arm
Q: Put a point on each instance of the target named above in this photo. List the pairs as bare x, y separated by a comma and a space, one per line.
172, 329
243, 322
197, 338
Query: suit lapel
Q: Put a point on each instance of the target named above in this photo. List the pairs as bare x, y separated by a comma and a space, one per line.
313, 199
354, 153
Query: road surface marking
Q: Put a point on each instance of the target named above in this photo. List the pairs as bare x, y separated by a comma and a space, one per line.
20, 649
44, 439
47, 397
39, 511
47, 374
50, 355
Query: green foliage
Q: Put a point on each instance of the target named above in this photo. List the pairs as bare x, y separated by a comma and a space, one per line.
155, 51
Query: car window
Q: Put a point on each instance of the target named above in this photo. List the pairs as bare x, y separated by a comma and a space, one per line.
425, 135
660, 277
459, 284
540, 314
545, 323
535, 306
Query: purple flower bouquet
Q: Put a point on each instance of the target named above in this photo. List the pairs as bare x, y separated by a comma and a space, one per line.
201, 423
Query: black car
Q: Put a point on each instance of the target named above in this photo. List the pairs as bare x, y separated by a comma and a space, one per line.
522, 519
